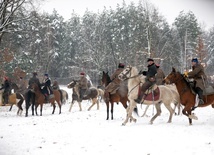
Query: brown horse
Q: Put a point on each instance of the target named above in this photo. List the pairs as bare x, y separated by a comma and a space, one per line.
119, 96
40, 99
92, 93
187, 97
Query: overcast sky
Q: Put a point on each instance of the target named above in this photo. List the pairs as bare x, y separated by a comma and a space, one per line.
203, 9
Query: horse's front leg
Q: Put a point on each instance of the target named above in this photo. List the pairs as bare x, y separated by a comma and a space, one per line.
107, 109
72, 103
80, 106
187, 113
129, 110
41, 106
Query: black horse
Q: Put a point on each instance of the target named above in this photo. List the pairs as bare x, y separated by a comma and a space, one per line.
29, 101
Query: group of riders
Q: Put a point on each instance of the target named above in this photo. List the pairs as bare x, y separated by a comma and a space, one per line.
45, 85
154, 75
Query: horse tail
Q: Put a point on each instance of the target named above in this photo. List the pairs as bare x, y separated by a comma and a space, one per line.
61, 97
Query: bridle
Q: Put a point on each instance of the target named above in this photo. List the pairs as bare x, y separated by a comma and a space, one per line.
125, 75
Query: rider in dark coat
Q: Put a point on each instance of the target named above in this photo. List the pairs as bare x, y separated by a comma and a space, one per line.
34, 79
46, 86
150, 79
7, 90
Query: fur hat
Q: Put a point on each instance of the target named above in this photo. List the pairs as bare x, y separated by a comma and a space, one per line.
121, 65
82, 73
150, 59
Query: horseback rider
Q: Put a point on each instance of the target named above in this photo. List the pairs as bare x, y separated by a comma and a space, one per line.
33, 79
7, 90
160, 75
149, 81
112, 87
199, 76
83, 85
46, 90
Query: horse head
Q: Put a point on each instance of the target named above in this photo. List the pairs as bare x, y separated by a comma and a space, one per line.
72, 84
173, 77
105, 78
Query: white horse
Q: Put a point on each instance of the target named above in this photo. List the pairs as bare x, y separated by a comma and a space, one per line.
176, 100
134, 81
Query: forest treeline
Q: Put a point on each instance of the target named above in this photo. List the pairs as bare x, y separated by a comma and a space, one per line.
98, 41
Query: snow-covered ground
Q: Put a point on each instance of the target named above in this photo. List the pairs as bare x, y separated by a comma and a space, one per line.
88, 132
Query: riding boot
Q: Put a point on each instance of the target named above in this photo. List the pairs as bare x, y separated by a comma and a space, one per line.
200, 95
46, 98
140, 97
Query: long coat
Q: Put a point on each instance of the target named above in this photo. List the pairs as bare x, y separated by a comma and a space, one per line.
198, 75
83, 83
159, 76
115, 84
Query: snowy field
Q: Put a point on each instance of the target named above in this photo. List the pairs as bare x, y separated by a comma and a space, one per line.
88, 132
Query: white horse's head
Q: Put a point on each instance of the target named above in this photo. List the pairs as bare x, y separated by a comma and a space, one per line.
130, 73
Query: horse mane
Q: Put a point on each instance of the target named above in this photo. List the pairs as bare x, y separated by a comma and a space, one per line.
108, 78
185, 80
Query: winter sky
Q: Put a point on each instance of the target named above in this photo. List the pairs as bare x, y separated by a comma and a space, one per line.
203, 9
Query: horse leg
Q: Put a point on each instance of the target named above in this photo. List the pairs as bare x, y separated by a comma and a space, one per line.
98, 104
93, 103
158, 112
41, 106
54, 106
11, 107
129, 110
147, 107
107, 107
80, 105
72, 103
36, 106
112, 110
60, 106
184, 111
171, 111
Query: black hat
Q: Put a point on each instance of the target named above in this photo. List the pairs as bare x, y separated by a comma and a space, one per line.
121, 65
46, 74
150, 59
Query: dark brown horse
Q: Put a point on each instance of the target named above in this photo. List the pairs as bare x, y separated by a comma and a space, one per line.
119, 96
40, 99
186, 95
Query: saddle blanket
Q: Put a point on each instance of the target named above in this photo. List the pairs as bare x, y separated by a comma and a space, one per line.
156, 93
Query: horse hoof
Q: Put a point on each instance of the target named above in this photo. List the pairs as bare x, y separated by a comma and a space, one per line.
123, 124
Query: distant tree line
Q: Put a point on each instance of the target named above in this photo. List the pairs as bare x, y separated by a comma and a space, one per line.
97, 42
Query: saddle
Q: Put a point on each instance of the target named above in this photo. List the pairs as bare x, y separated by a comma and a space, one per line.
153, 93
